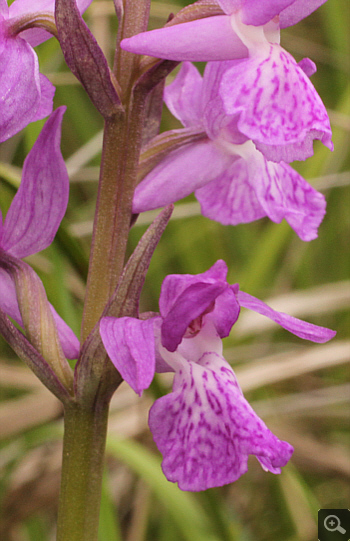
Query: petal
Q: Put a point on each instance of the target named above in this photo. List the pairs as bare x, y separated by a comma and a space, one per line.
308, 66
300, 328
189, 305
130, 345
229, 6
25, 7
225, 313
216, 122
69, 342
47, 91
206, 39
260, 12
283, 193
278, 105
9, 304
175, 284
35, 36
230, 198
183, 95
205, 429
298, 10
179, 174
8, 297
3, 10
161, 365
41, 200
20, 86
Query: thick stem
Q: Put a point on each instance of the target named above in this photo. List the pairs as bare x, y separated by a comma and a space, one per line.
113, 210
82, 469
120, 156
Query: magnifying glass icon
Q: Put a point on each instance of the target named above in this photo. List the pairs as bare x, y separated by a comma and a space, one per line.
332, 524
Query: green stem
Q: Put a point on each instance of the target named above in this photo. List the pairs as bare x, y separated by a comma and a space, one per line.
113, 211
120, 157
82, 469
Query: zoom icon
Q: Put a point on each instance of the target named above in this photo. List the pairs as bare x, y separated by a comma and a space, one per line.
334, 525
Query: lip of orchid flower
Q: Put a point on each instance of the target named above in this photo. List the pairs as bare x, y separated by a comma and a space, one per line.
277, 106
35, 215
205, 428
232, 180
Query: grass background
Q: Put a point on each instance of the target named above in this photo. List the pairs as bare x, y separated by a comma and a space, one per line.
301, 390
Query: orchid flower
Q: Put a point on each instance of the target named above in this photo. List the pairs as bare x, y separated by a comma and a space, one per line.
276, 105
232, 180
34, 217
25, 94
204, 428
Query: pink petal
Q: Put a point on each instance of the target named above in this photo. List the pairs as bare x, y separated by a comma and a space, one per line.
253, 187
41, 200
300, 328
161, 364
308, 66
25, 7
206, 39
298, 10
179, 174
69, 342
231, 198
175, 284
283, 193
189, 305
47, 91
216, 122
260, 12
3, 10
9, 304
183, 95
35, 36
19, 86
205, 429
8, 297
230, 6
130, 345
225, 313
278, 106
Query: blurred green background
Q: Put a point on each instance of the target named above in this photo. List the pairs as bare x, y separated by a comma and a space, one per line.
301, 390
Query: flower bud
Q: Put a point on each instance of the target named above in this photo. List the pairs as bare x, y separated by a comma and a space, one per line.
37, 318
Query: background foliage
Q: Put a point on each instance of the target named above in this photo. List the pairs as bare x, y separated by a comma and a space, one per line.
301, 390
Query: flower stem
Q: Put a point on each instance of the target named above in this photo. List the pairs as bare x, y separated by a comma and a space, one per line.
120, 157
85, 431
